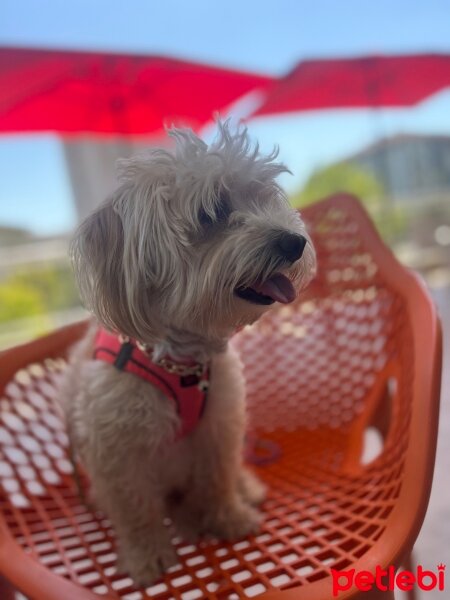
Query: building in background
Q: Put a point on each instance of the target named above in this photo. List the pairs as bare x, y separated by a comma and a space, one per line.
413, 169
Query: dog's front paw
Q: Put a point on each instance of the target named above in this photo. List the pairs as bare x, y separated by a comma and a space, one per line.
146, 565
234, 521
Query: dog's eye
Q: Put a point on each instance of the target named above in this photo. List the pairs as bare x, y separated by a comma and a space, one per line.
222, 211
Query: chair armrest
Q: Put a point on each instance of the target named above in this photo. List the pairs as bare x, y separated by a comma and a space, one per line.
53, 345
33, 579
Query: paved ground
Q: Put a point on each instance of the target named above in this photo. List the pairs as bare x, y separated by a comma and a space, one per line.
433, 544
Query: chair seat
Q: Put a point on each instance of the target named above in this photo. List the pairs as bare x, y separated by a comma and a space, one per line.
319, 373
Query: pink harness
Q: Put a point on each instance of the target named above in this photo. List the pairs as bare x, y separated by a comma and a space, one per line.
186, 384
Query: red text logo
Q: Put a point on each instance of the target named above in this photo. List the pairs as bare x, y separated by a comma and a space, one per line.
388, 579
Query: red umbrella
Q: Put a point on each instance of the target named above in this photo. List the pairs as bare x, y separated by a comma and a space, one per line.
370, 81
68, 92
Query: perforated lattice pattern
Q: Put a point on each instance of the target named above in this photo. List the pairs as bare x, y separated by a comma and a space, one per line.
312, 371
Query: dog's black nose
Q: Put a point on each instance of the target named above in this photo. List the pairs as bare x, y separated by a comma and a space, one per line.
291, 246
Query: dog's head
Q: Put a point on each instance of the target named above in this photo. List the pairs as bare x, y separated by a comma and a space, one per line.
201, 239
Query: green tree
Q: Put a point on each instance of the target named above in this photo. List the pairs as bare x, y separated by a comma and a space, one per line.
19, 299
341, 177
33, 291
53, 282
352, 179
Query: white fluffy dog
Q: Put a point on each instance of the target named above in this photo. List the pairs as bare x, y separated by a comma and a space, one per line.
193, 245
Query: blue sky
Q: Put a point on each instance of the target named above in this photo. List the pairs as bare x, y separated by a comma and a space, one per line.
267, 37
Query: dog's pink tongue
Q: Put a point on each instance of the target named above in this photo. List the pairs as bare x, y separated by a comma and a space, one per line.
278, 287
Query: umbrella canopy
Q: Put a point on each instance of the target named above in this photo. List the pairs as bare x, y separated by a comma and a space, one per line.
371, 81
81, 92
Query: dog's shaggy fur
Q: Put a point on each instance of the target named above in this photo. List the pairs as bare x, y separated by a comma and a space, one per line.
161, 262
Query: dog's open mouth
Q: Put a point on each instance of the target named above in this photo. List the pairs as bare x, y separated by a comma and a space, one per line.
276, 288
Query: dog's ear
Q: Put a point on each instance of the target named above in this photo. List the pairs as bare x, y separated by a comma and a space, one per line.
109, 286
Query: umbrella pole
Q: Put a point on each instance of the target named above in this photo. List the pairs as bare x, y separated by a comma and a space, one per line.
373, 87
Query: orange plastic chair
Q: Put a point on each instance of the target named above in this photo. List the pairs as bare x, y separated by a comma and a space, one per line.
361, 350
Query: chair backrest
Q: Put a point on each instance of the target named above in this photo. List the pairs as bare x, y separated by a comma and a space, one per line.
360, 353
